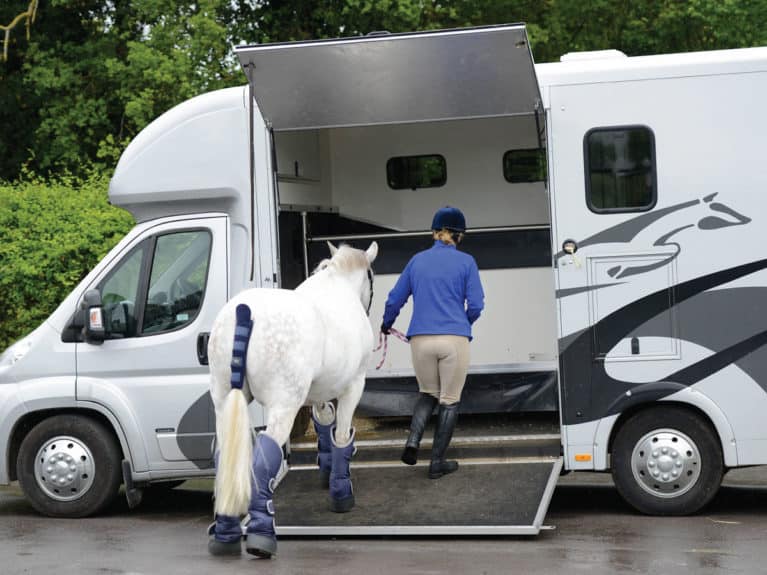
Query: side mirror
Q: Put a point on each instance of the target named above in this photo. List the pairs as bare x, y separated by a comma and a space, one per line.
93, 320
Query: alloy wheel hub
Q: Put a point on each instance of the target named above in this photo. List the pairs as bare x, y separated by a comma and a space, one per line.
64, 468
666, 463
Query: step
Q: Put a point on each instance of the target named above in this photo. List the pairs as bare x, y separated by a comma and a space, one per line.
487, 436
461, 447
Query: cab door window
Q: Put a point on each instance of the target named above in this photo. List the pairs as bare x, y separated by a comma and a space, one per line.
120, 292
177, 280
159, 286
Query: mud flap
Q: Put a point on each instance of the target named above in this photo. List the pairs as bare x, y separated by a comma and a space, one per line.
133, 494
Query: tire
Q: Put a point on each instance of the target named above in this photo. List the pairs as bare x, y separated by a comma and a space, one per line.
667, 461
69, 466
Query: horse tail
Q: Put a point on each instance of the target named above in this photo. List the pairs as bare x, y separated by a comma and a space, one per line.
235, 468
234, 463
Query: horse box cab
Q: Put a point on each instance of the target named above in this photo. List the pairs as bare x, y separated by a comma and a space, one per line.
613, 206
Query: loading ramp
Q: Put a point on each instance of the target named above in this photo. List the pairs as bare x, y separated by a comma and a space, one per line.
504, 484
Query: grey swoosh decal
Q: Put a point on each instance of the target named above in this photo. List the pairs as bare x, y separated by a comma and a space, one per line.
717, 320
196, 420
660, 242
700, 370
626, 231
715, 223
589, 388
573, 291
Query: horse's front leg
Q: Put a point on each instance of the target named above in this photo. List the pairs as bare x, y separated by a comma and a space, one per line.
342, 439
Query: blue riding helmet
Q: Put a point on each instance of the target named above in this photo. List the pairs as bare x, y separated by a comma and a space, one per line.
450, 218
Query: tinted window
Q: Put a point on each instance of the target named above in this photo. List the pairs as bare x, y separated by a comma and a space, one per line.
520, 166
177, 280
119, 294
620, 169
161, 281
411, 172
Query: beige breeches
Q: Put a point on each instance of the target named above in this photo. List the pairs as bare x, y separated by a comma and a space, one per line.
440, 363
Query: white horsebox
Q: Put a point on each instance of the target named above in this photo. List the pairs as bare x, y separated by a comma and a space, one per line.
614, 210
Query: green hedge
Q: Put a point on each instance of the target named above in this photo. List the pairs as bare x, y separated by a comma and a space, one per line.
51, 235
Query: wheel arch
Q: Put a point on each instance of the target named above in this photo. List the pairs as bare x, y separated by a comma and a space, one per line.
694, 402
30, 419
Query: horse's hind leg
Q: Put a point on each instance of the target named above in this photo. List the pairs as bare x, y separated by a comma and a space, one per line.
342, 440
267, 462
324, 418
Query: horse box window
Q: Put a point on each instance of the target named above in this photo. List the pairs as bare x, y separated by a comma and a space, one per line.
524, 166
411, 172
620, 169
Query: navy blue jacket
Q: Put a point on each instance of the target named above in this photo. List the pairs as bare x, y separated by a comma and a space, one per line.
447, 292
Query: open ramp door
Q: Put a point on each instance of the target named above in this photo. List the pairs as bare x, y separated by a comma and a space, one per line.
504, 484
393, 78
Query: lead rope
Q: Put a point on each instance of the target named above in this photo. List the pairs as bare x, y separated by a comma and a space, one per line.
383, 341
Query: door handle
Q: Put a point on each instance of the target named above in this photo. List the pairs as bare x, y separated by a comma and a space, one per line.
202, 347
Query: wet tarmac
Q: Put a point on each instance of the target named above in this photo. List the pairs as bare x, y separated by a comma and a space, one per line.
596, 533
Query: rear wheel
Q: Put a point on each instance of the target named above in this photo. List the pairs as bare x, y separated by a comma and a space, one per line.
69, 466
667, 461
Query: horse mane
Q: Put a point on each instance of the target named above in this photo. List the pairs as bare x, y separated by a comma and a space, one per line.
346, 259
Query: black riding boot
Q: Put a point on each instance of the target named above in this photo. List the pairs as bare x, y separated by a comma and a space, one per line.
448, 415
421, 414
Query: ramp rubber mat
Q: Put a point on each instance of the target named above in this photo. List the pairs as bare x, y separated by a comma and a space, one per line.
494, 497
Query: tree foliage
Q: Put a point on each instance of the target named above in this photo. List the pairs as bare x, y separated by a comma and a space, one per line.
51, 235
95, 72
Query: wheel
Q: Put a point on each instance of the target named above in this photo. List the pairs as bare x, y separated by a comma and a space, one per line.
667, 461
69, 466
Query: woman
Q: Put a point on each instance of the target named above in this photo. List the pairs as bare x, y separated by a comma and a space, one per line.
447, 300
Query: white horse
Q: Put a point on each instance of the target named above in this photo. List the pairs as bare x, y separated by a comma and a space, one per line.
286, 349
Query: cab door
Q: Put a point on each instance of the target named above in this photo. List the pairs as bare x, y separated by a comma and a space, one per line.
160, 299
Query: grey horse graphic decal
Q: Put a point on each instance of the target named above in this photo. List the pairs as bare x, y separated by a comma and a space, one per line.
723, 320
626, 232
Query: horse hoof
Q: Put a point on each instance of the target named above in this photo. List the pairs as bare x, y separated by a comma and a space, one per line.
221, 548
324, 479
342, 505
261, 546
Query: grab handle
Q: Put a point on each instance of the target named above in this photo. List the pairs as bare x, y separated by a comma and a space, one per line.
202, 347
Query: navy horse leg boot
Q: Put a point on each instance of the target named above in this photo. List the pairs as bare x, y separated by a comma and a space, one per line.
260, 539
225, 534
448, 415
341, 492
421, 414
324, 445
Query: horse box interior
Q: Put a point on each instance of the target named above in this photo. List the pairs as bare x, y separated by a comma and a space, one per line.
347, 185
